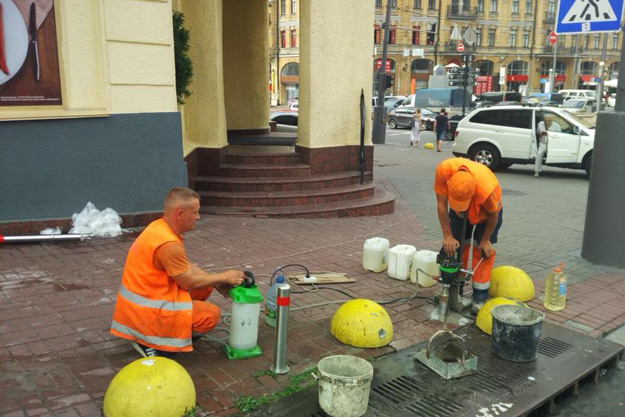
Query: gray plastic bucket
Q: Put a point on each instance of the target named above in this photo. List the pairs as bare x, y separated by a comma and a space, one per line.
516, 332
344, 385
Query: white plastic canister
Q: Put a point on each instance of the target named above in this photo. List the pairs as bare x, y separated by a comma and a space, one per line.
375, 254
400, 261
425, 261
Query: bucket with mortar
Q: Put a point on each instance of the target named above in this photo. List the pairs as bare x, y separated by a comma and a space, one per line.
516, 332
344, 385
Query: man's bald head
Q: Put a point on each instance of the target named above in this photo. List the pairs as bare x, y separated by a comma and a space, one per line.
180, 198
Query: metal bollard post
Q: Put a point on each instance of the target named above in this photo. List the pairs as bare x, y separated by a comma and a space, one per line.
283, 303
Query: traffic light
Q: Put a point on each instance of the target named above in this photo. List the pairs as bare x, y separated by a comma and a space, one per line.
387, 81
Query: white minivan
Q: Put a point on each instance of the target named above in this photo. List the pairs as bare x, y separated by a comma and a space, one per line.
501, 136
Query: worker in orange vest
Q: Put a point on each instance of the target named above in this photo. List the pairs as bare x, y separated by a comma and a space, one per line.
161, 303
469, 189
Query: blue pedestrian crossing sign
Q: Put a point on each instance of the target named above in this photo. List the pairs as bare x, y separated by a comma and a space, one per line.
589, 16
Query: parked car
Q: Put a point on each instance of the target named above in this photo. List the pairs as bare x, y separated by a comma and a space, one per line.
612, 100
294, 105
402, 117
286, 120
573, 94
579, 105
501, 136
544, 99
496, 97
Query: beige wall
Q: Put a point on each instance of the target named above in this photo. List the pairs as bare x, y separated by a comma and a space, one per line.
116, 56
204, 114
333, 70
246, 64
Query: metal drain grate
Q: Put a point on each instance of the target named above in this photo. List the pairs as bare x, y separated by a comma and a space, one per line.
408, 394
553, 347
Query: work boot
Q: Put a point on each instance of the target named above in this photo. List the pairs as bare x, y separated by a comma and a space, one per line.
476, 306
148, 352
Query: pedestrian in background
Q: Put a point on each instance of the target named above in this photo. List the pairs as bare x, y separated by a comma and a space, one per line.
542, 138
415, 134
441, 124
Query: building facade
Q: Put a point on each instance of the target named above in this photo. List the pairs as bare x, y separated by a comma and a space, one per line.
510, 34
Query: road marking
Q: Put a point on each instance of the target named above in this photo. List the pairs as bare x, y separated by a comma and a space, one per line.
590, 11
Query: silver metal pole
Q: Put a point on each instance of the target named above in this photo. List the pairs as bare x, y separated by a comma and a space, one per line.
41, 238
599, 91
552, 76
283, 304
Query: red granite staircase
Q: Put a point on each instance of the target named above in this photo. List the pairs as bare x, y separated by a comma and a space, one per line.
244, 182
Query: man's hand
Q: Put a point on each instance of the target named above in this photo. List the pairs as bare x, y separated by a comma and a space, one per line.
451, 245
486, 248
223, 289
233, 277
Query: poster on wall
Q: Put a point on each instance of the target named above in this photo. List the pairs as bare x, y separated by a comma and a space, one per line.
29, 59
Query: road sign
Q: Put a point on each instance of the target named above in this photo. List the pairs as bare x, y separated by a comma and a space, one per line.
454, 70
460, 47
589, 16
553, 38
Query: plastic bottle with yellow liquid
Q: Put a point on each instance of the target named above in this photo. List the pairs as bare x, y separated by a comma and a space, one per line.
555, 289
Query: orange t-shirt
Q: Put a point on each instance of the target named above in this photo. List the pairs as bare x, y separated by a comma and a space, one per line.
488, 192
171, 257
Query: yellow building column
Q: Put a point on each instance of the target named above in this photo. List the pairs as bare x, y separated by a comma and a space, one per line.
335, 65
203, 114
246, 64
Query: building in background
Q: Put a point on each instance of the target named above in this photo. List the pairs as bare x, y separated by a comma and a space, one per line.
509, 33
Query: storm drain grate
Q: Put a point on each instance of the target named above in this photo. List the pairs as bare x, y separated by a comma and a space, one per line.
553, 347
408, 394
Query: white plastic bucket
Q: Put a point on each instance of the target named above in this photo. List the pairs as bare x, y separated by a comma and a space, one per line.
425, 261
375, 254
344, 385
400, 261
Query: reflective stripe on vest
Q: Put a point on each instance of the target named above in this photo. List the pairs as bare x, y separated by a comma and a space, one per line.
154, 340
158, 304
481, 285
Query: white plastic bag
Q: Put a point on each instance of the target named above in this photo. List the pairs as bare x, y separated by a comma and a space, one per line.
51, 231
91, 221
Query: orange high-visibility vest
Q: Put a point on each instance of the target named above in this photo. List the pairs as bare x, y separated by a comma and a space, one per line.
486, 185
151, 308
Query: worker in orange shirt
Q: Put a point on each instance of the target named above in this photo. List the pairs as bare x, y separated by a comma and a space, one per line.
161, 303
468, 189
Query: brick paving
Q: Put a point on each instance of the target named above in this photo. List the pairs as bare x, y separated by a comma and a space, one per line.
56, 300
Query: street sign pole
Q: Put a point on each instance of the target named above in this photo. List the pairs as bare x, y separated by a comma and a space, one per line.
552, 75
465, 79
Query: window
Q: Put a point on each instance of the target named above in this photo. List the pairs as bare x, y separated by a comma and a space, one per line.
377, 34
478, 37
521, 119
561, 40
558, 124
282, 39
480, 6
515, 6
493, 6
431, 35
293, 38
512, 41
432, 4
526, 39
528, 6
551, 9
293, 6
547, 33
585, 41
416, 4
595, 42
378, 3
391, 38
394, 4
283, 7
491, 37
487, 117
416, 34
614, 41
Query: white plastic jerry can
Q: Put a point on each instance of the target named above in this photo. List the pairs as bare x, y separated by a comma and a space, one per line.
375, 254
400, 261
424, 267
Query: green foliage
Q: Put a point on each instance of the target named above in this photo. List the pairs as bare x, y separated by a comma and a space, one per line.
184, 66
293, 385
189, 412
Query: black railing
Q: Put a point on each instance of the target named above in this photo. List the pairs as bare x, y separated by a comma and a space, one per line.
457, 13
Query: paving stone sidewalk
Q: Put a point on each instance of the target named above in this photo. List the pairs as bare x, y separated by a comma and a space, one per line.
56, 301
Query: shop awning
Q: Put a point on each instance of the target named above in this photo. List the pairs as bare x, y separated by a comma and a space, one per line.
589, 79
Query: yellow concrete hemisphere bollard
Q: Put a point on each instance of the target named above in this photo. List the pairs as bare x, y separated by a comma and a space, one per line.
511, 282
428, 146
362, 323
155, 387
484, 319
